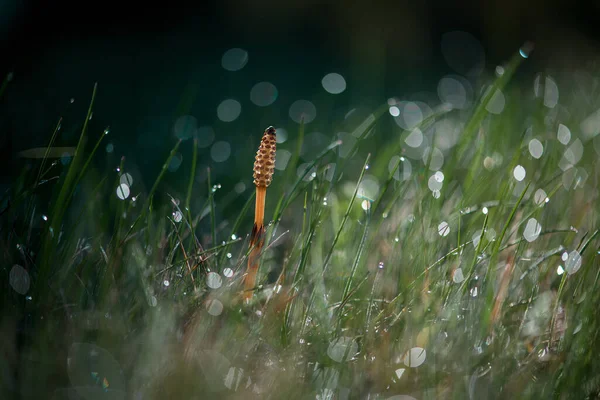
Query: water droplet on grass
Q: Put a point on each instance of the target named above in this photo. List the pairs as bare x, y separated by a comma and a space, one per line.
457, 276
127, 179
536, 149
434, 184
573, 263
214, 307
539, 197
213, 280
177, 216
342, 349
123, 191
263, 94
185, 126
443, 229
366, 205
519, 173
452, 90
415, 138
399, 372
414, 357
532, 230
334, 83
229, 110
234, 59
496, 102
302, 110
564, 134
574, 152
220, 151
19, 279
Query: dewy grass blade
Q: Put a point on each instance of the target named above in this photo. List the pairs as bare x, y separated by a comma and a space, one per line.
147, 207
345, 218
386, 185
188, 197
509, 221
211, 202
361, 245
476, 255
58, 210
238, 223
286, 200
50, 144
293, 163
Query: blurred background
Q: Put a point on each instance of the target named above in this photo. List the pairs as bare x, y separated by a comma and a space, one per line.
235, 67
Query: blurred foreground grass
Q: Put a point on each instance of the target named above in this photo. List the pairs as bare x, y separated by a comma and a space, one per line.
466, 271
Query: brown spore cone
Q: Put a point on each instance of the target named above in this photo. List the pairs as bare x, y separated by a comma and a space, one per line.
264, 163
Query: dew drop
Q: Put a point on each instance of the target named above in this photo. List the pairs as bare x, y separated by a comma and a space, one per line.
302, 110
334, 83
342, 349
539, 197
519, 173
443, 229
127, 179
532, 230
564, 134
19, 279
214, 307
229, 110
415, 138
263, 94
457, 276
366, 205
234, 59
573, 263
536, 149
177, 216
123, 191
414, 357
213, 280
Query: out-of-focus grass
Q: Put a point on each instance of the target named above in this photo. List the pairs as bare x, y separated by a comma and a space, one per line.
457, 281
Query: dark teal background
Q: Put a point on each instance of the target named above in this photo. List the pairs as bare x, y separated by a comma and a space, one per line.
154, 63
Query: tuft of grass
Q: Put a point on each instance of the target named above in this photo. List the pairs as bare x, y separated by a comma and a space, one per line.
376, 281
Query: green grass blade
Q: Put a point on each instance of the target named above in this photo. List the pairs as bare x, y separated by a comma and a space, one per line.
346, 214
